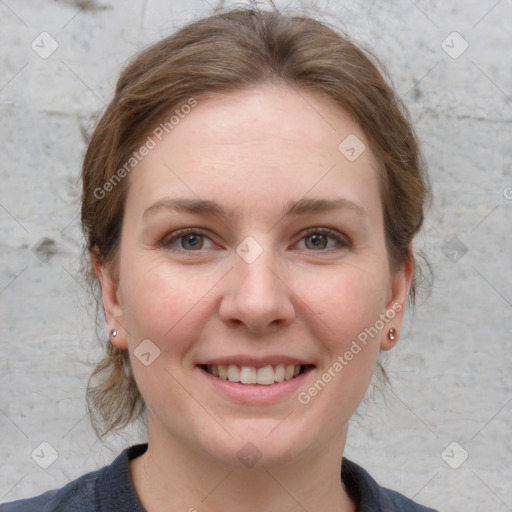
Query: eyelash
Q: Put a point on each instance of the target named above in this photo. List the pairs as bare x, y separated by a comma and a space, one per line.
177, 235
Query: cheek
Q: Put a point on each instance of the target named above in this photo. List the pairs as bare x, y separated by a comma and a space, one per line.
349, 300
349, 305
165, 306
149, 305
161, 300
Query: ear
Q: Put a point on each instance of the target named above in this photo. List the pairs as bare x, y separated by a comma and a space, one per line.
395, 308
111, 304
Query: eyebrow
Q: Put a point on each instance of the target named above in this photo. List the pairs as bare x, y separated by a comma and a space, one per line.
293, 208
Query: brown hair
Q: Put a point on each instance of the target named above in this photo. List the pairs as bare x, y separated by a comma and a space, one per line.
231, 51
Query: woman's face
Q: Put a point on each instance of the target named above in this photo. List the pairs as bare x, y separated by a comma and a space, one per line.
283, 266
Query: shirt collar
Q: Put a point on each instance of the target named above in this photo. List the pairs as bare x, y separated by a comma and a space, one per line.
116, 492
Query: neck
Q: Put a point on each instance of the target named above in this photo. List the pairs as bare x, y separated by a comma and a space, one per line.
171, 473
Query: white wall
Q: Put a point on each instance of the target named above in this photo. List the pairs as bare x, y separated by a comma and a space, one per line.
451, 371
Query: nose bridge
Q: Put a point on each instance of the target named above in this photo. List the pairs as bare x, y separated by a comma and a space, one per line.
256, 279
253, 262
255, 296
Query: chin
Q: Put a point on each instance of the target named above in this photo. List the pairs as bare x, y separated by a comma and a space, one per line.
260, 444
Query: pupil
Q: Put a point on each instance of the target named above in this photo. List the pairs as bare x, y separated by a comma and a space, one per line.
317, 240
192, 240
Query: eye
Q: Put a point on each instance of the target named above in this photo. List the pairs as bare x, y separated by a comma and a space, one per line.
186, 240
317, 239
194, 240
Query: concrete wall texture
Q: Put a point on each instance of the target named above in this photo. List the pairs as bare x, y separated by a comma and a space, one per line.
442, 434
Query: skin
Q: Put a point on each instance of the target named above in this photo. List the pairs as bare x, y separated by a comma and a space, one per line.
253, 152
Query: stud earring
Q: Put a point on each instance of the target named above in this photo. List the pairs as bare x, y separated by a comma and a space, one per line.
113, 333
392, 334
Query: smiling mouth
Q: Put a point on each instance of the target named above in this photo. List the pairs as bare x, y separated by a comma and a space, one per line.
265, 375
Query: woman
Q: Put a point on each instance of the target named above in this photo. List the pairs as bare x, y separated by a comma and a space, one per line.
250, 198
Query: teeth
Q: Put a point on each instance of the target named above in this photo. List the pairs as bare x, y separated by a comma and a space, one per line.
233, 373
265, 376
223, 372
279, 373
247, 374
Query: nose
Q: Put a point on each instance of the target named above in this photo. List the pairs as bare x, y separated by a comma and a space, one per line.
256, 297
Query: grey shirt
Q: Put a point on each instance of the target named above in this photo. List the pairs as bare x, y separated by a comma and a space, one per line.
110, 489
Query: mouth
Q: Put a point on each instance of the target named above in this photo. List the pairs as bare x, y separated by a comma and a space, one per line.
251, 375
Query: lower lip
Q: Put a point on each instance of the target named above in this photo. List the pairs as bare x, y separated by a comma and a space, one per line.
256, 393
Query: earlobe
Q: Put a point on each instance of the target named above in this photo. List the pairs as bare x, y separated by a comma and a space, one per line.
395, 308
111, 304
389, 338
118, 340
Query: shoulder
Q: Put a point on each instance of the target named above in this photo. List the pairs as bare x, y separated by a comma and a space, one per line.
78, 495
106, 489
369, 495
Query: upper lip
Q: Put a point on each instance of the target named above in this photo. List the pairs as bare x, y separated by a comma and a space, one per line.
256, 362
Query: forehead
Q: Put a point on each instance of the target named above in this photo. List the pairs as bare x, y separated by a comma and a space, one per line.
273, 144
